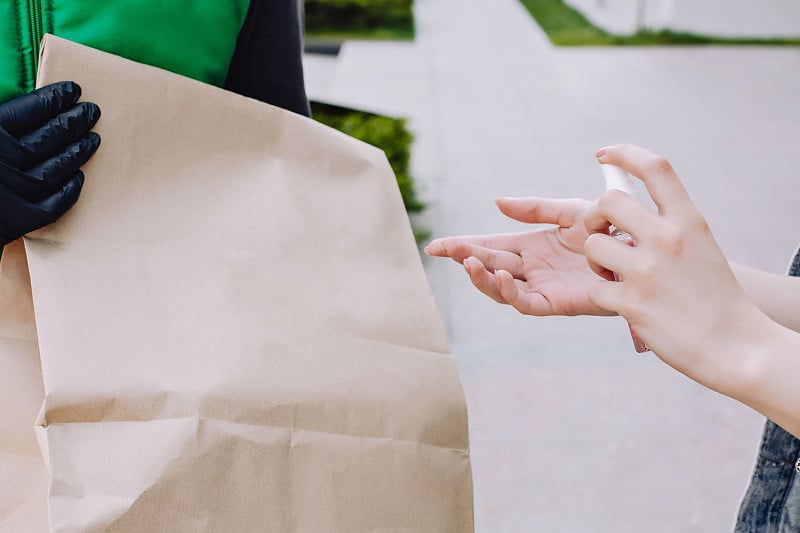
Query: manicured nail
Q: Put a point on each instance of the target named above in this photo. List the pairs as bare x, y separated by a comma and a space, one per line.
601, 152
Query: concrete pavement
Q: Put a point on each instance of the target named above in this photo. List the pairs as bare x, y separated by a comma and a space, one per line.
570, 429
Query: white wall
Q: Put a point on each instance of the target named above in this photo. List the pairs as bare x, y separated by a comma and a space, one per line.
614, 16
731, 18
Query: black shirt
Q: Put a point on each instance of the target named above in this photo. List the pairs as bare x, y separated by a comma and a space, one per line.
267, 63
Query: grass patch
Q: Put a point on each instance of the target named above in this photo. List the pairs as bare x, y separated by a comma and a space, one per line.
359, 19
372, 34
390, 135
566, 26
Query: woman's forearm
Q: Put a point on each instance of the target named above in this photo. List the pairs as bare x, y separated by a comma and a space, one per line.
778, 296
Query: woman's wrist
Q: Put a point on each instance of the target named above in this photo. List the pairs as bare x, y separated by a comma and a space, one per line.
763, 371
737, 356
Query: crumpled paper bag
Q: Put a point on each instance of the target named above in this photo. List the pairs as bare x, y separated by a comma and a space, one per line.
231, 331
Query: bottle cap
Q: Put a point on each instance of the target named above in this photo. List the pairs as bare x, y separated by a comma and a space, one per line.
616, 178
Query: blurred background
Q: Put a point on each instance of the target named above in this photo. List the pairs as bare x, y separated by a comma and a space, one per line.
570, 429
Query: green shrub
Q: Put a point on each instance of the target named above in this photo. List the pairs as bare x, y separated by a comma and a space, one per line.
389, 17
389, 134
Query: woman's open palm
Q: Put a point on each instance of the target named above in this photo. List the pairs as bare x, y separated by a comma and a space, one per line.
540, 272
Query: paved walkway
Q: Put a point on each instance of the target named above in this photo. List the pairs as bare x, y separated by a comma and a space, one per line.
570, 430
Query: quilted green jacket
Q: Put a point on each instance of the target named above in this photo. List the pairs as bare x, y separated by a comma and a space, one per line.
250, 47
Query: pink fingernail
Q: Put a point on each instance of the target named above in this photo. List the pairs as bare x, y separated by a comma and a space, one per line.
601, 152
638, 344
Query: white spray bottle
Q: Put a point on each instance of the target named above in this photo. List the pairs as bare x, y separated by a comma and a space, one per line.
617, 178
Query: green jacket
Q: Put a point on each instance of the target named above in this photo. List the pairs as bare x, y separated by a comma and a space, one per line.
195, 38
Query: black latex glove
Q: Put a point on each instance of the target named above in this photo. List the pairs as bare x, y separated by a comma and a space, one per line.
44, 140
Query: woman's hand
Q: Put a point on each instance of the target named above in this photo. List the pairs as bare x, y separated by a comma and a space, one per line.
540, 272
676, 288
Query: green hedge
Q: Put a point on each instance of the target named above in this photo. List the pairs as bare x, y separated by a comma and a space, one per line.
389, 134
325, 17
566, 26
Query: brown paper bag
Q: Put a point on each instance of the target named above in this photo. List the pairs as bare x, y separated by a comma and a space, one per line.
23, 476
234, 326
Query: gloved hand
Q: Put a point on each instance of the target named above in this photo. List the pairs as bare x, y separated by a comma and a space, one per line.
44, 140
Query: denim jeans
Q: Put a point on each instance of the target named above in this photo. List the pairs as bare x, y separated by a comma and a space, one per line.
772, 502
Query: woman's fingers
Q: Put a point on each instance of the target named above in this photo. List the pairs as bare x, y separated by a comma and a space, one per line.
527, 303
622, 211
532, 210
655, 171
564, 213
483, 280
605, 255
607, 296
501, 287
509, 242
492, 260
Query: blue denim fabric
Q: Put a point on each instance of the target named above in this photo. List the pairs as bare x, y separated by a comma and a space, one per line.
772, 502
